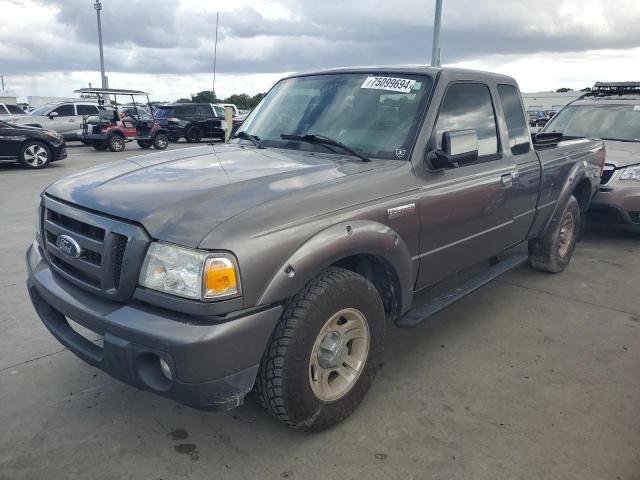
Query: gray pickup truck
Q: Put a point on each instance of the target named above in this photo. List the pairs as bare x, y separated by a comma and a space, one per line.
275, 262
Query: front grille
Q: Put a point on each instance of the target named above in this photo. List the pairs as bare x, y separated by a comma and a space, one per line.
111, 251
607, 173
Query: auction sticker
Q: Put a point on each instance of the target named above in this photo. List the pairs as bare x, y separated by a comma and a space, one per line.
393, 84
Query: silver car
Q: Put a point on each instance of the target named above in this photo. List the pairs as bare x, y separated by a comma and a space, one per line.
62, 117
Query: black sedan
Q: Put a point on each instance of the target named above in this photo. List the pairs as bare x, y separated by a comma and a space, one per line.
32, 147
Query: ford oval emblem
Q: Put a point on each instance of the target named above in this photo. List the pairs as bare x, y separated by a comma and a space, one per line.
68, 246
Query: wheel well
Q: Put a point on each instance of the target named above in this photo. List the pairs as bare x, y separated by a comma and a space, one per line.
582, 192
381, 274
116, 132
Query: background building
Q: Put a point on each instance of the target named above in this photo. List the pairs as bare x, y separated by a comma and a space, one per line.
543, 101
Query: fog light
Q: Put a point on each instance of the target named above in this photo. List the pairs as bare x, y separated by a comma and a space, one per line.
166, 371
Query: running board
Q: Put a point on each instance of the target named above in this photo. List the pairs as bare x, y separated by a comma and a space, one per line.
420, 313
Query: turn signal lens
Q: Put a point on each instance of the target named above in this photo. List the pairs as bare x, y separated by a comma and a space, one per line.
220, 279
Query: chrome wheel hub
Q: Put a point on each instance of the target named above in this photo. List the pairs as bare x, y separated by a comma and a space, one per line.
339, 354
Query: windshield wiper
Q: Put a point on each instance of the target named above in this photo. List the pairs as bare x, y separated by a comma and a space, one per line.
247, 136
322, 140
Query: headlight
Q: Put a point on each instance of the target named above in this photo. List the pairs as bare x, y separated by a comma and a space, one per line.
631, 173
190, 273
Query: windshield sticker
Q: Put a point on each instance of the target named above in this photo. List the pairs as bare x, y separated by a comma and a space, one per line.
392, 84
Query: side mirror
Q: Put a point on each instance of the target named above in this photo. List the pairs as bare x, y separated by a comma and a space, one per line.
52, 115
459, 147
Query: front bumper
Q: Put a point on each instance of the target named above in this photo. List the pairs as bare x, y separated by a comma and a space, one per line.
60, 152
213, 365
617, 202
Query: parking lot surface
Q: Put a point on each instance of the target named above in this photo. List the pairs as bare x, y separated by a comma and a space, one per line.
533, 376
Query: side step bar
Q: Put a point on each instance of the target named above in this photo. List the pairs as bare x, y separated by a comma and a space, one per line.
416, 315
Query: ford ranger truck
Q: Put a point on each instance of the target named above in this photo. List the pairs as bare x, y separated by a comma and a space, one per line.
275, 262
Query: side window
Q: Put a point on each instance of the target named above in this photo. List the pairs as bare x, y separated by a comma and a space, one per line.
184, 110
468, 106
65, 110
205, 110
516, 123
219, 111
87, 109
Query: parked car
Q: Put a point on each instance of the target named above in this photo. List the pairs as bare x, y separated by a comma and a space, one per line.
62, 117
278, 260
611, 111
7, 109
32, 147
193, 121
236, 112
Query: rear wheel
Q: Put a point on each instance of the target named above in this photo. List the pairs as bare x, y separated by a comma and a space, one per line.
116, 143
324, 353
35, 155
193, 134
160, 141
553, 251
144, 143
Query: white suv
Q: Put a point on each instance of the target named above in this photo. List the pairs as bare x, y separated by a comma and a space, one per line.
62, 117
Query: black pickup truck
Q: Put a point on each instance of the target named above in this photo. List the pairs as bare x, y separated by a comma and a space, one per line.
275, 262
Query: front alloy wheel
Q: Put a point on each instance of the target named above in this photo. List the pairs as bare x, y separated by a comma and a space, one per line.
35, 155
324, 352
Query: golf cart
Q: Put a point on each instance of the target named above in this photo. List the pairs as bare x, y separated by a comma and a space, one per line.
111, 129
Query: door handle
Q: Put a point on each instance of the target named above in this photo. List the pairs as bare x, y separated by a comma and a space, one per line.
507, 180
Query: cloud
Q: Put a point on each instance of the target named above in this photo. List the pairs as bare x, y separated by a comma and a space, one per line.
156, 37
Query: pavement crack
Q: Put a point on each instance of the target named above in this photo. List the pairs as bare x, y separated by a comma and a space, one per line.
31, 360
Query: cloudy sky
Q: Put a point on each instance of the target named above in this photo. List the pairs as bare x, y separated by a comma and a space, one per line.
49, 47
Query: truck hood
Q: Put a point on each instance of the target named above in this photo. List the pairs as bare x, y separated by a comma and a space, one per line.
181, 195
622, 154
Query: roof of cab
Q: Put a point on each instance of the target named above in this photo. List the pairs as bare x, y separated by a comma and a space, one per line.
411, 70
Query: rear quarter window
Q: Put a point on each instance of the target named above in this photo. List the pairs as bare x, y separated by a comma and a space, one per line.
514, 116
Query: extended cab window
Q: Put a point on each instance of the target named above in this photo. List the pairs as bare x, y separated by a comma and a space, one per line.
468, 106
514, 115
65, 111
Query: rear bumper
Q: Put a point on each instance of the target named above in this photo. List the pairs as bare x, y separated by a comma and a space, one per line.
213, 365
617, 204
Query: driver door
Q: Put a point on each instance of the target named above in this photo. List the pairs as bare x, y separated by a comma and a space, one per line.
465, 215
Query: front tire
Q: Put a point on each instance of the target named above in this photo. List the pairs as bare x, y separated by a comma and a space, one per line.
34, 155
324, 352
553, 251
116, 143
193, 135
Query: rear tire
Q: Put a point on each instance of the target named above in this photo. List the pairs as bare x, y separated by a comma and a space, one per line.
324, 352
35, 155
553, 251
160, 141
116, 143
193, 134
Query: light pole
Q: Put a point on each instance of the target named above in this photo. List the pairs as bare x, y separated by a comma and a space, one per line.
435, 52
98, 7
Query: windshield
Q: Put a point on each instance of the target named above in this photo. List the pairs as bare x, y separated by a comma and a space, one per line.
41, 110
377, 116
611, 122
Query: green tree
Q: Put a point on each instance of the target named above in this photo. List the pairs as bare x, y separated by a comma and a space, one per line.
205, 96
586, 89
564, 89
183, 100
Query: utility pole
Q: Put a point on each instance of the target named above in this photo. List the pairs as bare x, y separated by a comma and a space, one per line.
103, 78
215, 57
435, 52
2, 78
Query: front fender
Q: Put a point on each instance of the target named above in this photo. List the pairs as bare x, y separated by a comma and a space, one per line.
335, 243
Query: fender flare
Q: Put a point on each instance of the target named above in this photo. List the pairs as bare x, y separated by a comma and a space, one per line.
335, 243
576, 175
